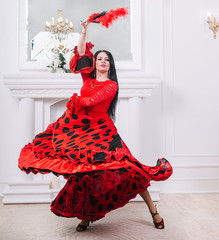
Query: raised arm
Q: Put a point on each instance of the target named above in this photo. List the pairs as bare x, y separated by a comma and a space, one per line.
82, 40
83, 60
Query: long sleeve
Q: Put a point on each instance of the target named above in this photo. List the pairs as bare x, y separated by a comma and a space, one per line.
107, 91
83, 64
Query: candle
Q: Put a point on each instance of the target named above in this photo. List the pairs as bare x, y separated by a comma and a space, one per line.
208, 16
60, 19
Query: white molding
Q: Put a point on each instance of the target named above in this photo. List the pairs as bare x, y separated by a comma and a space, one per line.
196, 155
66, 79
62, 86
122, 76
168, 30
194, 179
187, 163
21, 191
191, 192
168, 139
3, 184
190, 185
66, 93
196, 166
136, 39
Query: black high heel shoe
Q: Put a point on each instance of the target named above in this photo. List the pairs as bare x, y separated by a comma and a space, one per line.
159, 225
81, 228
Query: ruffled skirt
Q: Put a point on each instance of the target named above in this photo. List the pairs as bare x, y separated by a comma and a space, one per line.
101, 173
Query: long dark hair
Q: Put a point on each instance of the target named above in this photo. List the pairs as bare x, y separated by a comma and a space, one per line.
113, 76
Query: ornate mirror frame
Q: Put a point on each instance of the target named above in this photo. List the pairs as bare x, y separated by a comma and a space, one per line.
136, 39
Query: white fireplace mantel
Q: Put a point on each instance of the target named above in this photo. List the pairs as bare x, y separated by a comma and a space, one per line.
37, 92
62, 85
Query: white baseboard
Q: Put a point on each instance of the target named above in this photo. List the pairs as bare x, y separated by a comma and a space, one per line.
39, 191
190, 185
24, 191
3, 184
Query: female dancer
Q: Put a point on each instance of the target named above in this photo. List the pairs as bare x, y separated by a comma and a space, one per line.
83, 145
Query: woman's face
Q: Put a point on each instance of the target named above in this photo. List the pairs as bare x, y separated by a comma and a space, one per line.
102, 62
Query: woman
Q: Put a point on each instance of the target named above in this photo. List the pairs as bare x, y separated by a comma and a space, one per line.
83, 145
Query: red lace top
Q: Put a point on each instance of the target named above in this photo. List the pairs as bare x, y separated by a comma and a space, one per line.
96, 96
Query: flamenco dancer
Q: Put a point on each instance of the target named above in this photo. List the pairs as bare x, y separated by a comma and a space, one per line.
83, 145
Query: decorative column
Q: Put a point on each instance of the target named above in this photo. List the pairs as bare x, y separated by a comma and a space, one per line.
135, 139
135, 126
26, 188
26, 128
136, 91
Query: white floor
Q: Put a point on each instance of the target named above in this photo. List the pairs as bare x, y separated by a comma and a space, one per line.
187, 216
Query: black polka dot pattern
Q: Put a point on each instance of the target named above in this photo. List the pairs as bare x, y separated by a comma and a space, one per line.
37, 143
90, 130
74, 116
107, 196
63, 116
85, 121
76, 126
61, 200
98, 203
65, 130
67, 120
110, 206
73, 135
97, 137
70, 133
115, 197
100, 208
134, 186
60, 141
119, 187
73, 156
101, 121
86, 127
98, 144
103, 126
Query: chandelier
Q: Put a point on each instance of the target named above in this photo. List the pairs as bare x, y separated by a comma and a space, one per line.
61, 27
213, 24
60, 32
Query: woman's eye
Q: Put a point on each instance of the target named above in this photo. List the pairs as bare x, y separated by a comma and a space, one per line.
100, 59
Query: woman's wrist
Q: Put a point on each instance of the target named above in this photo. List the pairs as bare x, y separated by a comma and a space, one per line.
84, 31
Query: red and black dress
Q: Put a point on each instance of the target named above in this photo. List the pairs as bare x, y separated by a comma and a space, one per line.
84, 146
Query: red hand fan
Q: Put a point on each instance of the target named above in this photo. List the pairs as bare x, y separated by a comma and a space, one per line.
106, 18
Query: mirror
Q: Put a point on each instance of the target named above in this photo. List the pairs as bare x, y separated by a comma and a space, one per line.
122, 39
116, 39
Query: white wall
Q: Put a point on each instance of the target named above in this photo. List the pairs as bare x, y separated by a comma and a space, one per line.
190, 97
180, 118
8, 104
